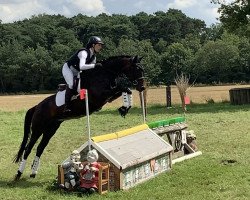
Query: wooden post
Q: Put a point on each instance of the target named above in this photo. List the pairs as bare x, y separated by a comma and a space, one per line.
168, 96
60, 175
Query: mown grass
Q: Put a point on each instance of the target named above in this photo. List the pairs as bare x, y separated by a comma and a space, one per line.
222, 131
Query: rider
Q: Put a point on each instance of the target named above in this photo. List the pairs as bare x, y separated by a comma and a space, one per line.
83, 59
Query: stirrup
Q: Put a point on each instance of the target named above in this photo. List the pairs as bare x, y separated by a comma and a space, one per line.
66, 109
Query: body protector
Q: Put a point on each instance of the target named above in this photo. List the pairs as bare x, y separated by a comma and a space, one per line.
74, 61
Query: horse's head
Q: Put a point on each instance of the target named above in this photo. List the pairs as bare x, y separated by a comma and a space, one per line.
134, 71
128, 66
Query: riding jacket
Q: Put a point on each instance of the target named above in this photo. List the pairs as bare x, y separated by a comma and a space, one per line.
74, 60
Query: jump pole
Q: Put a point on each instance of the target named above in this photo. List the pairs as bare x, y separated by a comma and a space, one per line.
143, 107
87, 114
191, 155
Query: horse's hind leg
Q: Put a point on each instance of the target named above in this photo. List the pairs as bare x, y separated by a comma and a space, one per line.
34, 137
40, 148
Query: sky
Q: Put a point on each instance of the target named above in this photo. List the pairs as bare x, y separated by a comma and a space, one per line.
15, 10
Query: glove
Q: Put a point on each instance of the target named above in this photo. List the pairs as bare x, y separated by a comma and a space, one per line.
98, 65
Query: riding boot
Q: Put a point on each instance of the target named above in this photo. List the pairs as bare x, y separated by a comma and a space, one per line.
68, 95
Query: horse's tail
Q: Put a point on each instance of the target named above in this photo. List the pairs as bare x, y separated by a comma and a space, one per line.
27, 125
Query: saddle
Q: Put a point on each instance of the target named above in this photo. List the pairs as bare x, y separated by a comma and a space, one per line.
61, 90
62, 86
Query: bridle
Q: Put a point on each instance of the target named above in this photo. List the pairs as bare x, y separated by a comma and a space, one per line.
135, 80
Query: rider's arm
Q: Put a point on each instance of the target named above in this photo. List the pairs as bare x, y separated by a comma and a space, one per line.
82, 55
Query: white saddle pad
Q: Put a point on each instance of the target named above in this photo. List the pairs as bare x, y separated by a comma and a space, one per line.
60, 98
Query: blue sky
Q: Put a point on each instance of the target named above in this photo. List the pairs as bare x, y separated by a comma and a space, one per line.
14, 10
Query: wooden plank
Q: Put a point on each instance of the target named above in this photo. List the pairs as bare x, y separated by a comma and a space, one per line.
60, 175
239, 96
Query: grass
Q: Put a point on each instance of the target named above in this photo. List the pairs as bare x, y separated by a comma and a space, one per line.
222, 131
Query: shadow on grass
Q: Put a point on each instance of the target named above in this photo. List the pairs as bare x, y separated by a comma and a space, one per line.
22, 183
176, 109
50, 186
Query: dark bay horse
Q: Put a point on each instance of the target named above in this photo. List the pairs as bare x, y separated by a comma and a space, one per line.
103, 86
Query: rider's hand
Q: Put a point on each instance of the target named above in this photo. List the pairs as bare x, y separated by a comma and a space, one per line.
98, 65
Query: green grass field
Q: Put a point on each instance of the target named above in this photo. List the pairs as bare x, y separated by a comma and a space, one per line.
222, 130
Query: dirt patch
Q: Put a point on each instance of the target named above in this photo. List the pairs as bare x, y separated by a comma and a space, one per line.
154, 96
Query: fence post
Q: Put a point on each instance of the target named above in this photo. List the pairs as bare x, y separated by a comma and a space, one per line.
168, 96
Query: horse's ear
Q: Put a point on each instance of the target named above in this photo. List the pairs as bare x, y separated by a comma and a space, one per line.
136, 59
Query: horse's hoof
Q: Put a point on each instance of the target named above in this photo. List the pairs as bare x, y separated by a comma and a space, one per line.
17, 176
32, 175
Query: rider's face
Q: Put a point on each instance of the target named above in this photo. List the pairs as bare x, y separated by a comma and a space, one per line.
97, 47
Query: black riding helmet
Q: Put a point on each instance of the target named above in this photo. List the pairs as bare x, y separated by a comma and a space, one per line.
94, 40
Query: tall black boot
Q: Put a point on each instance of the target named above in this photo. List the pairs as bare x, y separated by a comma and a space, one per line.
68, 95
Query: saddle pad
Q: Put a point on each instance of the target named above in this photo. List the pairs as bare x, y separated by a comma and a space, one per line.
60, 98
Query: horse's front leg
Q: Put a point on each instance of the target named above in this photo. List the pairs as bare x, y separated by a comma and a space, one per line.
126, 94
127, 102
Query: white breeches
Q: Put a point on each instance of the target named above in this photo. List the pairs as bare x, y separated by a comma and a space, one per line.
68, 74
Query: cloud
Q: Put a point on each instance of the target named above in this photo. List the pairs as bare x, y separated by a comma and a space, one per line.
88, 6
148, 6
14, 10
182, 4
200, 9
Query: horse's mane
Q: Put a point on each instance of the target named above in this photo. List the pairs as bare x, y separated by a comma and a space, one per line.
114, 58
113, 63
112, 66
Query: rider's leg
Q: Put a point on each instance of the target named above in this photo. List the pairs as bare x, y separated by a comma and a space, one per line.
68, 95
68, 76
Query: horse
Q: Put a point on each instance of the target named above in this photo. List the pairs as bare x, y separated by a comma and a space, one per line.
104, 84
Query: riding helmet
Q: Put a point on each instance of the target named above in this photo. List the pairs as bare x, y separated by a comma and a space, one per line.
94, 40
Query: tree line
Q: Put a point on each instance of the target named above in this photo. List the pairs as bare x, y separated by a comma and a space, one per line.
32, 51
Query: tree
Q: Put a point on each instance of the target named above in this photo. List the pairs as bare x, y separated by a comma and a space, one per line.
191, 42
175, 61
213, 33
32, 51
141, 21
213, 63
143, 49
10, 67
235, 16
